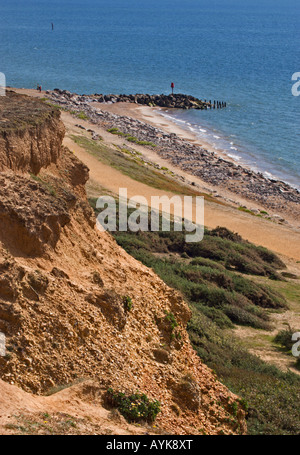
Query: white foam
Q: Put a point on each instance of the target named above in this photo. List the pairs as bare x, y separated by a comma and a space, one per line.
234, 157
269, 175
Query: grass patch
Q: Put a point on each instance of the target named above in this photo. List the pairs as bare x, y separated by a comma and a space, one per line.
134, 168
270, 394
284, 338
244, 209
46, 185
130, 138
82, 116
59, 423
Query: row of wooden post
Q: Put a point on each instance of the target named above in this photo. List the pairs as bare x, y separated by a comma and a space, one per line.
216, 104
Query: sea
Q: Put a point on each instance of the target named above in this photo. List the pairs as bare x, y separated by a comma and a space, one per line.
244, 52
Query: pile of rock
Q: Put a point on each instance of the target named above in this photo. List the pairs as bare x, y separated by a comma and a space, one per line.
176, 101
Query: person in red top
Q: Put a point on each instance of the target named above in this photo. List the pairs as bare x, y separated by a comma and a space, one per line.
172, 87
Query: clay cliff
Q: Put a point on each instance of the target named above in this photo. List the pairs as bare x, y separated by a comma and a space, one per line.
62, 289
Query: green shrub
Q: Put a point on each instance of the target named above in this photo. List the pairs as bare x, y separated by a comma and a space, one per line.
170, 318
243, 317
128, 304
215, 314
225, 233
151, 144
117, 132
82, 116
113, 130
284, 338
257, 293
208, 263
135, 407
204, 282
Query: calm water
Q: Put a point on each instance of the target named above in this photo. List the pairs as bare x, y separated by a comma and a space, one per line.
241, 51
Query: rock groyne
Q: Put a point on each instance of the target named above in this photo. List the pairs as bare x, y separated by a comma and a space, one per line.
174, 101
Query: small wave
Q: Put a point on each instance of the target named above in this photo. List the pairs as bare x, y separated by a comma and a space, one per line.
233, 148
181, 121
269, 175
203, 131
234, 157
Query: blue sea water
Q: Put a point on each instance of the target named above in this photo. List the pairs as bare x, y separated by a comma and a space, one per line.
240, 51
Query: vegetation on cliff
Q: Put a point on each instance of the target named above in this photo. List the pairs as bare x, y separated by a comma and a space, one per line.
217, 279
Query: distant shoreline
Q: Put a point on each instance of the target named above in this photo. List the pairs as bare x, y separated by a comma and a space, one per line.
237, 155
210, 170
142, 103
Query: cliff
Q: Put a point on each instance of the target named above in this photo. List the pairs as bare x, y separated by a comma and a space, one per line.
62, 289
30, 134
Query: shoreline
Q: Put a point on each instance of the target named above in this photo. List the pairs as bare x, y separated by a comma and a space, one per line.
283, 237
191, 159
156, 117
153, 115
237, 155
278, 196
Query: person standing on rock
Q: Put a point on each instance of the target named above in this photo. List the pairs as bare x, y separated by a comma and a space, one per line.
172, 87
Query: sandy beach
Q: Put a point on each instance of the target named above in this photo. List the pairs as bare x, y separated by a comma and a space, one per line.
281, 237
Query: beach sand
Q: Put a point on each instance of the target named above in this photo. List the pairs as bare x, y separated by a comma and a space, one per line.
283, 239
154, 117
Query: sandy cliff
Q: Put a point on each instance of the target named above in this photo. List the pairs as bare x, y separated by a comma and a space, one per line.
62, 286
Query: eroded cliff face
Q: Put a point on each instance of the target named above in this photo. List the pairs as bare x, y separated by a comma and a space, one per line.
62, 288
30, 133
